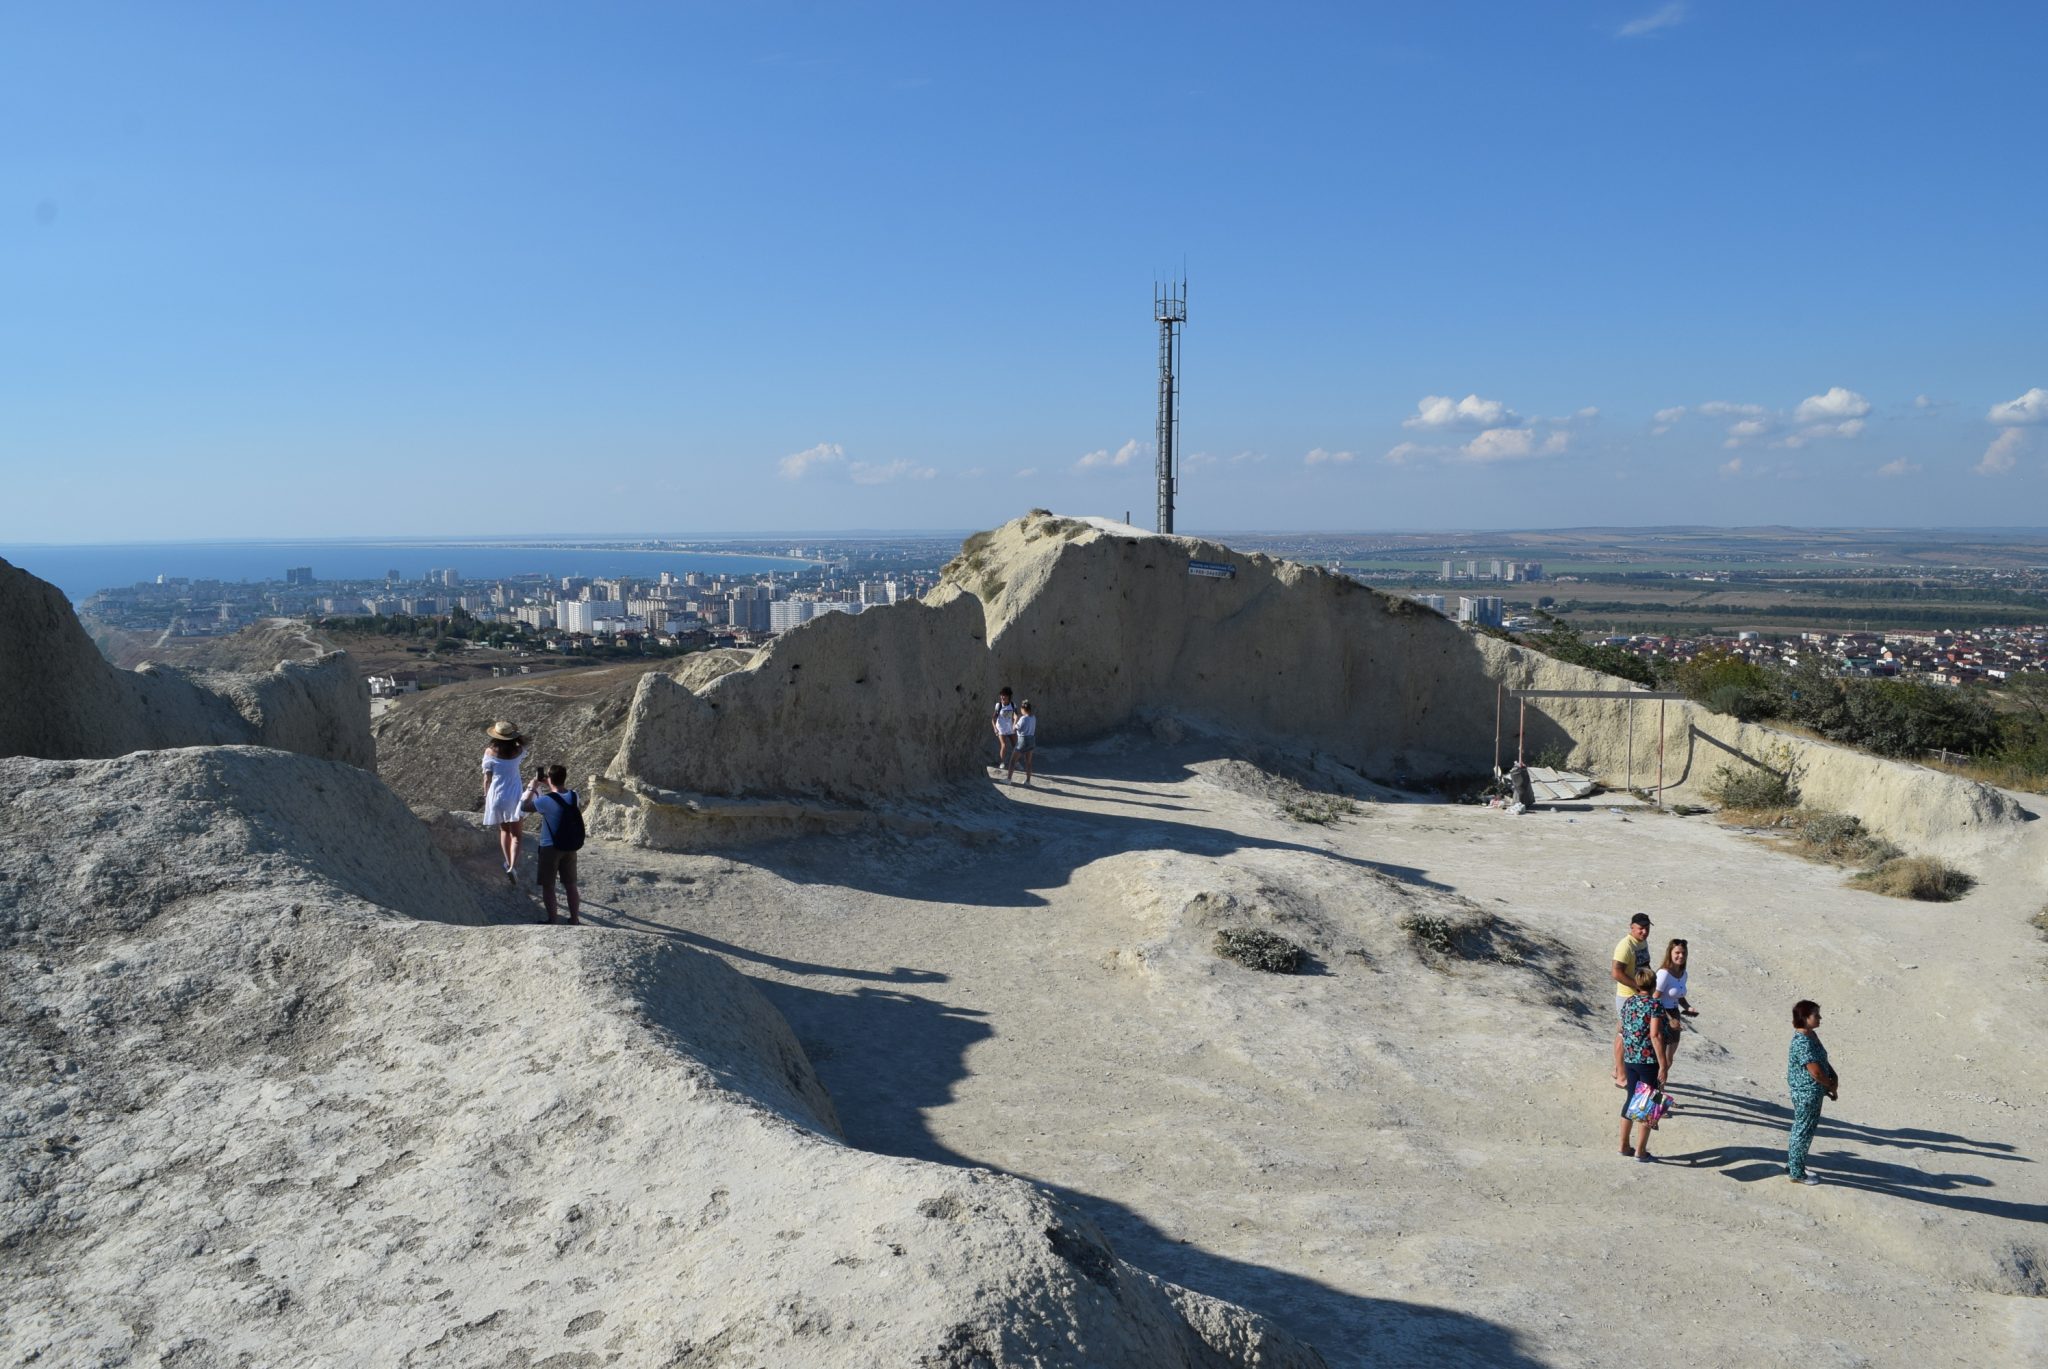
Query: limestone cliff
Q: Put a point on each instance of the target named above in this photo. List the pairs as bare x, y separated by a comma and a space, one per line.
60, 699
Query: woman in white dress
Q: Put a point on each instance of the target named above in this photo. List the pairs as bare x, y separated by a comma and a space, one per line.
502, 787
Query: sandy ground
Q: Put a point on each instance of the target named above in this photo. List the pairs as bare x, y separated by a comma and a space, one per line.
1406, 1158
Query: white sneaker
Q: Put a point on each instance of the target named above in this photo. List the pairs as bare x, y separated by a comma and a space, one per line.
1807, 1179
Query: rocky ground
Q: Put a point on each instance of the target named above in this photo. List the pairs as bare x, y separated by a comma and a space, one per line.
1408, 1153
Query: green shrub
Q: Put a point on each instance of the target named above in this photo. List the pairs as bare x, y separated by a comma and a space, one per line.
1900, 718
1553, 757
1757, 785
1561, 642
1730, 684
1258, 949
1432, 933
1919, 877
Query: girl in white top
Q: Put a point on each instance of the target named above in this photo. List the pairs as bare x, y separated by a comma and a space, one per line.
502, 787
1671, 977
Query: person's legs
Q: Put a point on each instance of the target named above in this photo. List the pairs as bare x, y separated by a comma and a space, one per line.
547, 881
567, 863
1805, 1117
1642, 1140
1620, 1080
1030, 755
508, 844
1626, 1148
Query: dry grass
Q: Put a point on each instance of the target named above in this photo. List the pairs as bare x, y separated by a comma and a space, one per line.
1840, 839
1318, 809
1917, 877
1993, 773
1781, 816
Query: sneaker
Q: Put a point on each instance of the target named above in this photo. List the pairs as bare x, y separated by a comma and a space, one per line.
1643, 1157
1807, 1179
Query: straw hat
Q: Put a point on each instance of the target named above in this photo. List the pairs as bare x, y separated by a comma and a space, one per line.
503, 731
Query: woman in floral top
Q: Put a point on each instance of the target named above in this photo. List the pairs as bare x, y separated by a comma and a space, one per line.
1645, 1058
1809, 1076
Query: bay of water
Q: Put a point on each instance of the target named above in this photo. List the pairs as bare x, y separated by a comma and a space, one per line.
80, 571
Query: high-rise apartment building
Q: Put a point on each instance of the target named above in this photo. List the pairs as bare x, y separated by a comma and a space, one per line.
1483, 609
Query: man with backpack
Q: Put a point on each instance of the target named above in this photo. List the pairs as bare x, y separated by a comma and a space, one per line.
561, 835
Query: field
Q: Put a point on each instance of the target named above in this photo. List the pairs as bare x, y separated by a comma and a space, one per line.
1715, 581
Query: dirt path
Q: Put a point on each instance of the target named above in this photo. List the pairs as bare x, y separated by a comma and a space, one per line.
1406, 1157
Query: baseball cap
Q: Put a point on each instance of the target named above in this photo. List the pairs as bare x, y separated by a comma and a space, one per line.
1639, 920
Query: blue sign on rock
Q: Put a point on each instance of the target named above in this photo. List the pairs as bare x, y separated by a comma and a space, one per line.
1215, 570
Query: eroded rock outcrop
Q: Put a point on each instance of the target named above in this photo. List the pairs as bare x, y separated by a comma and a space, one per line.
846, 707
60, 699
278, 1091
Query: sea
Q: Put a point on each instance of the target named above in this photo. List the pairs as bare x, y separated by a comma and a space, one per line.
81, 571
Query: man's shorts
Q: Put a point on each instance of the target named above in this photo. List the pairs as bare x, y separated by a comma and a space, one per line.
1025, 743
553, 862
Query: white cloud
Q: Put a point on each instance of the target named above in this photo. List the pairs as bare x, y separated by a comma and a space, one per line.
1719, 407
1511, 444
797, 465
1851, 427
1587, 414
1103, 457
1832, 407
866, 473
1732, 467
1922, 402
1441, 411
1663, 17
2003, 453
1247, 458
2031, 407
1745, 430
1027, 472
1319, 457
1401, 453
1892, 469
1671, 415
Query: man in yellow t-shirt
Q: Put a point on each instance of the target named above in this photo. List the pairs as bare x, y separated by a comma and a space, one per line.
1630, 971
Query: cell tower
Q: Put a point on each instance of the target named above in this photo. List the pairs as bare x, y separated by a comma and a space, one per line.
1170, 310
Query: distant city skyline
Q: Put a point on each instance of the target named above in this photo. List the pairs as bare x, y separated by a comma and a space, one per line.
519, 271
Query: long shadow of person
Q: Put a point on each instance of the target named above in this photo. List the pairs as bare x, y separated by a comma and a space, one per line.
890, 1056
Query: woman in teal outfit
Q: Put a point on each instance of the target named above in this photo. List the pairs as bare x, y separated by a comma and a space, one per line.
1809, 1076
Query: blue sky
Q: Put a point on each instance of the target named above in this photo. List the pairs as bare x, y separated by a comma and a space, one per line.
513, 268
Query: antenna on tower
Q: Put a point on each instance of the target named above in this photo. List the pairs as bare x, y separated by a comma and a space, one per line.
1170, 311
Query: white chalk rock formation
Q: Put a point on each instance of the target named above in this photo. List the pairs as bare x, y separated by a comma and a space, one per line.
846, 707
59, 698
1103, 625
275, 1091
